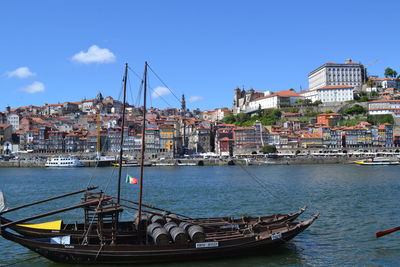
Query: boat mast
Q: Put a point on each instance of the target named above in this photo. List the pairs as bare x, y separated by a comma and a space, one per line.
122, 134
143, 145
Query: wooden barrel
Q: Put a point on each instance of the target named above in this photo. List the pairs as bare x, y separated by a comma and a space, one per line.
169, 225
152, 227
185, 225
157, 219
160, 236
143, 222
196, 234
179, 236
172, 218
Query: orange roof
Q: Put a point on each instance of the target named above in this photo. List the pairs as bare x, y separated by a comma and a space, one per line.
287, 93
383, 79
5, 125
53, 105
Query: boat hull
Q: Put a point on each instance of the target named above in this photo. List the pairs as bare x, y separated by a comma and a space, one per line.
131, 254
77, 230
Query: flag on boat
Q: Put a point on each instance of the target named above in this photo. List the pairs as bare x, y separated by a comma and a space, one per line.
131, 180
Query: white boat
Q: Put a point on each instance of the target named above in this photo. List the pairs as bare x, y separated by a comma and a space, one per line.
64, 161
378, 161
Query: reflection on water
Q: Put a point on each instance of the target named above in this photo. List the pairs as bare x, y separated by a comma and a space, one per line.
354, 201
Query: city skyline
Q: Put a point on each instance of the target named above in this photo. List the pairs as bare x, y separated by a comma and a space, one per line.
67, 51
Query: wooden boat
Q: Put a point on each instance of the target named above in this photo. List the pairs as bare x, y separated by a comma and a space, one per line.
217, 244
77, 230
104, 240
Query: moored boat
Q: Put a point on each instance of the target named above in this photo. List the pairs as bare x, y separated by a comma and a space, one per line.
77, 230
216, 244
378, 161
64, 161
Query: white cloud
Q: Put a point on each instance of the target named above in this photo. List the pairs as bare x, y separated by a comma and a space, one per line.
22, 72
160, 91
35, 87
195, 98
94, 54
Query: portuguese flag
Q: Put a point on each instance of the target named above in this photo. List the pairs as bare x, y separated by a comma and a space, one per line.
131, 180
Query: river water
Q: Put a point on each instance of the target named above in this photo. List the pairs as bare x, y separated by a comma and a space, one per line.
354, 202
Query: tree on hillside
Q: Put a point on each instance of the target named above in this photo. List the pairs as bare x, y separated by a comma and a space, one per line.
259, 111
269, 149
390, 73
231, 119
380, 119
242, 117
354, 110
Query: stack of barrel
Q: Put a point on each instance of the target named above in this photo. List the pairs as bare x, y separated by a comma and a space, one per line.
163, 230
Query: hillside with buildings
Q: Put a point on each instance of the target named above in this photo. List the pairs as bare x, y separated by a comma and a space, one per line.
343, 108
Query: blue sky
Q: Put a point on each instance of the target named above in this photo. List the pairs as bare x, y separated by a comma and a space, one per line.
57, 51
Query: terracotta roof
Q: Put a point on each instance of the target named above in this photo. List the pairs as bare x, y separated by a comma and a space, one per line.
384, 79
384, 101
287, 93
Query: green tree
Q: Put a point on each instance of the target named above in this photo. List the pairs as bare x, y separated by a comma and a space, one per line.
390, 73
242, 117
231, 119
380, 119
354, 110
364, 98
374, 94
269, 149
307, 101
259, 111
317, 102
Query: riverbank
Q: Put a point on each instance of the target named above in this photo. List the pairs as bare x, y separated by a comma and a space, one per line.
200, 162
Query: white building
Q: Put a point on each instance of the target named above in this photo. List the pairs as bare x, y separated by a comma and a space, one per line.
216, 114
330, 74
378, 84
13, 119
336, 93
272, 101
380, 107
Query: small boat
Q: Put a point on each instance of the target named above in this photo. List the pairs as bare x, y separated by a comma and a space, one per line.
64, 161
77, 230
378, 161
195, 245
127, 164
